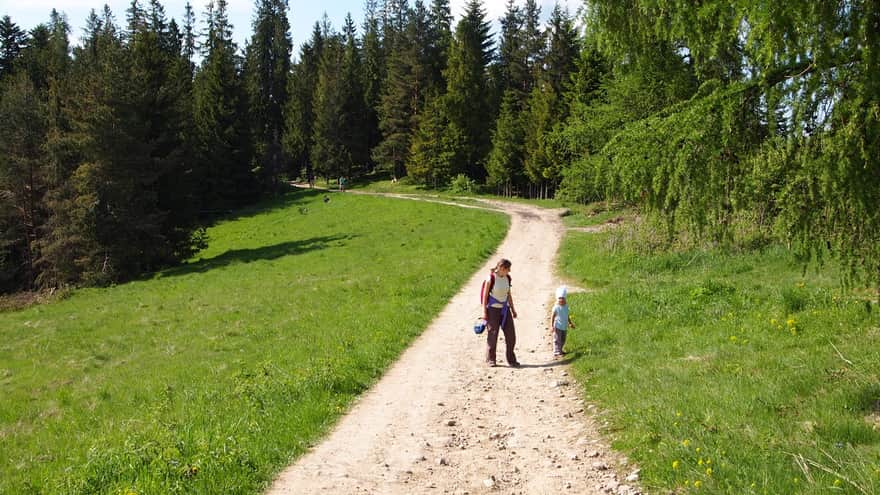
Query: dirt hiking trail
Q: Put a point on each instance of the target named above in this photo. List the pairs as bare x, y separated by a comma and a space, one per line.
441, 422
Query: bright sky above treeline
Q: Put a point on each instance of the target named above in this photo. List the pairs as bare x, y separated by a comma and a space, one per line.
302, 15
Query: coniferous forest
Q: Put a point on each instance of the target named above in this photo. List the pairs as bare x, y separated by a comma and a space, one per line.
734, 122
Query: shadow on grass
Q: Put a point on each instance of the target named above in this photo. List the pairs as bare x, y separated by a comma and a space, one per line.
272, 252
289, 198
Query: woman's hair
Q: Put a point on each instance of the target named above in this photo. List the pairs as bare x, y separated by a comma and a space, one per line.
502, 263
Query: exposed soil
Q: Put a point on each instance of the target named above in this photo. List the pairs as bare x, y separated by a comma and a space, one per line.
440, 421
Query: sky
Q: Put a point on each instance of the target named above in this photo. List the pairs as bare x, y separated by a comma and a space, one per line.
302, 15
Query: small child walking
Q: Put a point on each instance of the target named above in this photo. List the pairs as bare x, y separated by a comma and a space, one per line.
560, 321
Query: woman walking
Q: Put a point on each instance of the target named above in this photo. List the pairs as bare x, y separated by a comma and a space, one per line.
498, 311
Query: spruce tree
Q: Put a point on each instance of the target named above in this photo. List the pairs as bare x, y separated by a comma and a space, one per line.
467, 95
354, 120
439, 41
24, 180
513, 71
372, 73
299, 114
435, 146
407, 84
504, 167
220, 111
564, 47
329, 154
12, 41
267, 68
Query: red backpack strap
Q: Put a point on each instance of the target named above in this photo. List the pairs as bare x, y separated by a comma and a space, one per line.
488, 290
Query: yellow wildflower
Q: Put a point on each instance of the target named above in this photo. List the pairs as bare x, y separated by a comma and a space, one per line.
708, 471
685, 442
698, 484
675, 464
837, 482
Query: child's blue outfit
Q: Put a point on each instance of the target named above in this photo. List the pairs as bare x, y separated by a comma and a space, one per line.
560, 328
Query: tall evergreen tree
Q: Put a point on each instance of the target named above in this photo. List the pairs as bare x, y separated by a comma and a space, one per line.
467, 95
355, 119
329, 154
267, 68
373, 71
220, 108
564, 47
24, 180
406, 87
189, 35
299, 114
435, 146
12, 41
535, 41
439, 40
504, 166
512, 69
394, 20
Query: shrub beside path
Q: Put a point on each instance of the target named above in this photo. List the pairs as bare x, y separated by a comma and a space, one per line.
440, 421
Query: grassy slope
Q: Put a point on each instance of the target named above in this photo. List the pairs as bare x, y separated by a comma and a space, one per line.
723, 373
209, 377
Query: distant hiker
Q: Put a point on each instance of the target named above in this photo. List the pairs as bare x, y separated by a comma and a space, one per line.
498, 311
311, 181
560, 320
342, 183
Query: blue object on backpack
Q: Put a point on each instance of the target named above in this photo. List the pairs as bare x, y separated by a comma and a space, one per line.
479, 326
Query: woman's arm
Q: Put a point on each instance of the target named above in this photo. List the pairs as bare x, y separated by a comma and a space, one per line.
510, 303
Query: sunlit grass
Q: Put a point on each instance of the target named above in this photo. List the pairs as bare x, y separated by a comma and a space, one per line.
728, 373
210, 377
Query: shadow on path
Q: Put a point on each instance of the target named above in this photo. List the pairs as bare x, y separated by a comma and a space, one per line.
550, 364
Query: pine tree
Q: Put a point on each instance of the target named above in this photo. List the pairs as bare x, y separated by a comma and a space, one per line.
535, 42
267, 69
513, 71
299, 114
539, 122
407, 84
467, 94
505, 166
439, 41
372, 73
394, 20
329, 154
354, 119
24, 180
220, 111
435, 146
189, 35
560, 60
12, 42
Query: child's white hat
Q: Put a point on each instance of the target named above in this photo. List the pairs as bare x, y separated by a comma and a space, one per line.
561, 292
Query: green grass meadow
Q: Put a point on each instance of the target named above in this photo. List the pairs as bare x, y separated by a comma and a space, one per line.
210, 377
728, 373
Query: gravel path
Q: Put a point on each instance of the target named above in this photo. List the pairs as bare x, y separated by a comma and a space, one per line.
441, 422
